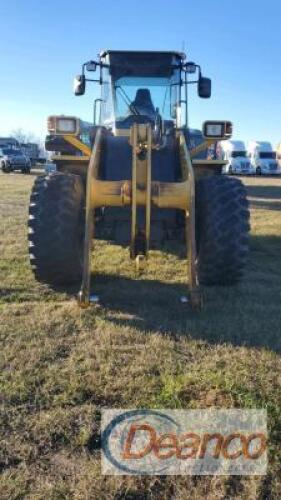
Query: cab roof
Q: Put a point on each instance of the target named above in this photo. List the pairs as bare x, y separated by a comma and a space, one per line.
181, 55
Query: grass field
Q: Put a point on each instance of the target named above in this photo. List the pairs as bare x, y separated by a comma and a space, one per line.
139, 348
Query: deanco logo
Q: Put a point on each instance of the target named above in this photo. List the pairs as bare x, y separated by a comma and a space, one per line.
184, 442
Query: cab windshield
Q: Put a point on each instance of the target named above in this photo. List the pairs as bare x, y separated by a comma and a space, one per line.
238, 154
145, 96
140, 84
268, 154
7, 151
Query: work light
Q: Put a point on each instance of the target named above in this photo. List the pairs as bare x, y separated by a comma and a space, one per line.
217, 130
68, 125
190, 67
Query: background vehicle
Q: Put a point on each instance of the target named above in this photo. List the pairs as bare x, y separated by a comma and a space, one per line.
32, 151
278, 156
14, 159
9, 142
140, 179
235, 153
263, 158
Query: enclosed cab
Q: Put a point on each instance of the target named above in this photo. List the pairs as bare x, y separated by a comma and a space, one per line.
263, 158
235, 153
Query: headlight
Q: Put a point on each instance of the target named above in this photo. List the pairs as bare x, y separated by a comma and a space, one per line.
66, 125
63, 125
217, 130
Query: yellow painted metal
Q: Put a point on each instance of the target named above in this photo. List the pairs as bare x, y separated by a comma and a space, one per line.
141, 142
187, 170
134, 138
119, 193
78, 144
84, 294
148, 190
209, 163
141, 191
71, 158
110, 193
204, 145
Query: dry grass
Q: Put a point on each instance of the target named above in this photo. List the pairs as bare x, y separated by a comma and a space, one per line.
139, 348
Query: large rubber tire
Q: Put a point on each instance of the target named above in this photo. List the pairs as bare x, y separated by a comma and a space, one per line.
6, 168
26, 170
222, 230
56, 228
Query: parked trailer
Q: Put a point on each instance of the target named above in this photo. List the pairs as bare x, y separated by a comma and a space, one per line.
278, 156
9, 142
32, 150
235, 153
263, 158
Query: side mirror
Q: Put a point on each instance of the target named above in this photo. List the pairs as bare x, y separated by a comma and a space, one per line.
79, 85
204, 87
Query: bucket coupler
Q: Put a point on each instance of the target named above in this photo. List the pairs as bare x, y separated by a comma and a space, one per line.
140, 191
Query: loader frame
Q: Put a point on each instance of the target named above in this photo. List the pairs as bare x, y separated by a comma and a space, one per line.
140, 190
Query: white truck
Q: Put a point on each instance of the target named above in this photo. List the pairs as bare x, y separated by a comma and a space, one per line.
278, 156
263, 158
235, 153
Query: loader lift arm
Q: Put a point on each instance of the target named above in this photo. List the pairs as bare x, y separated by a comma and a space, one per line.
141, 191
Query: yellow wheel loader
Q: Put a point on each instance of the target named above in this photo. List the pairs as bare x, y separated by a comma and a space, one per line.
138, 176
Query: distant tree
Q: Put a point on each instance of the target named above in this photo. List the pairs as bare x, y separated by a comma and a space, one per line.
24, 137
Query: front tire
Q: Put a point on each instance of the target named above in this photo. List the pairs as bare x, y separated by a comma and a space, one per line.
222, 220
258, 171
56, 229
6, 168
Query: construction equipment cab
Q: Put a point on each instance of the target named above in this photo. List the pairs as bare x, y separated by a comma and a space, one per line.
138, 176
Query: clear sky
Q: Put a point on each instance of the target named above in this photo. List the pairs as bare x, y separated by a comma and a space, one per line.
237, 43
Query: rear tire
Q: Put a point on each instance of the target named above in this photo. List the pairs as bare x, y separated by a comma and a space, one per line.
222, 223
258, 171
25, 170
56, 229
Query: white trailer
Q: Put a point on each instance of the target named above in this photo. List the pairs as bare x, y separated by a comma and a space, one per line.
235, 153
263, 158
278, 157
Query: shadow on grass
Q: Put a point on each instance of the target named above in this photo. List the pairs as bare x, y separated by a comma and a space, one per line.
245, 314
240, 315
265, 197
265, 191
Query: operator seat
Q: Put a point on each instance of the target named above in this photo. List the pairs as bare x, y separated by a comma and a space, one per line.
143, 103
